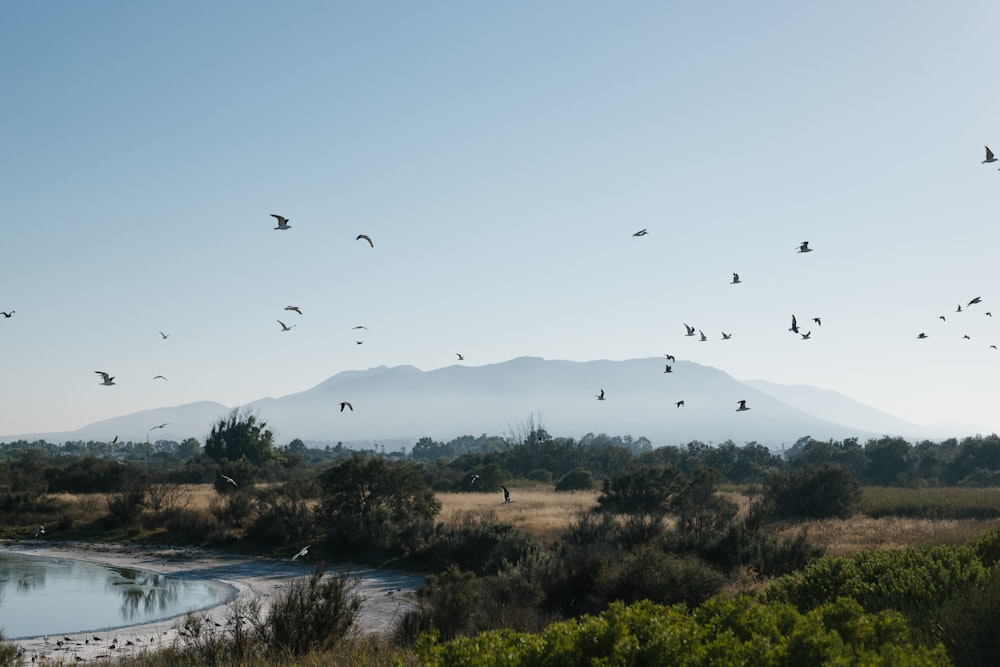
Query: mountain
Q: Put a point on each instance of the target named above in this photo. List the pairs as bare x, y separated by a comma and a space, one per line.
403, 404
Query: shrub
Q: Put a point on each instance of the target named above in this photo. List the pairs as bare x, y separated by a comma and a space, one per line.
579, 479
540, 475
827, 491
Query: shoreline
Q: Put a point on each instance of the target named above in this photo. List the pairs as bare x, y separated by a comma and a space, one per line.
386, 594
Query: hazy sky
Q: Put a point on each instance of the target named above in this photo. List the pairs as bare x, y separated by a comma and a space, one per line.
500, 156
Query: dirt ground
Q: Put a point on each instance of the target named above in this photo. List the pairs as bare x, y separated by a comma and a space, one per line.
387, 594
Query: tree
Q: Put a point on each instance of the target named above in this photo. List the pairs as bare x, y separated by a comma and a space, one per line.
648, 489
240, 435
360, 486
813, 493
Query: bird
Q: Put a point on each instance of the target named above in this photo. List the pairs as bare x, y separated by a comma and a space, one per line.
302, 552
942, 317
164, 336
921, 335
506, 495
295, 308
641, 232
959, 309
726, 336
345, 404
359, 342
229, 480
360, 326
40, 531
460, 356
804, 247
160, 426
690, 330
107, 379
679, 404
818, 321
670, 357
976, 300
473, 480
6, 314
743, 407
600, 396
668, 369
806, 335
989, 314
366, 238
795, 325
285, 327
989, 156
282, 221
703, 336
159, 377
966, 337
114, 441
736, 279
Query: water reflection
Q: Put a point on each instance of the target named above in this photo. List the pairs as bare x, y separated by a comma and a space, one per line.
51, 596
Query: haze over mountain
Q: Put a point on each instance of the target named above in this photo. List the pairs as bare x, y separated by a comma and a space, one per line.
403, 404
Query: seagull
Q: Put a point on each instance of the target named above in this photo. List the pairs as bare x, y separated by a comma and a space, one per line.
302, 552
359, 342
743, 407
295, 308
736, 279
506, 495
702, 334
6, 314
989, 156
989, 314
806, 335
942, 318
114, 441
641, 232
966, 337
473, 480
360, 326
726, 336
164, 335
460, 357
804, 247
345, 404
670, 357
818, 321
229, 480
959, 308
285, 327
160, 426
159, 377
282, 221
40, 531
600, 396
366, 238
921, 335
976, 300
690, 330
108, 380
795, 325
668, 369
679, 404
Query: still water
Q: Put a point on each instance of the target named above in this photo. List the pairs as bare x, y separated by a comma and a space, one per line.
54, 596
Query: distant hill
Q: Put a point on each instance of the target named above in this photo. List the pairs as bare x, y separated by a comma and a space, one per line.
403, 404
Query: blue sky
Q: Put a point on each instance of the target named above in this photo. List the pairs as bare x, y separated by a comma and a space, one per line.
500, 155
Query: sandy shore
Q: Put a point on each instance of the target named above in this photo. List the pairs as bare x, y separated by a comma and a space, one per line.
387, 594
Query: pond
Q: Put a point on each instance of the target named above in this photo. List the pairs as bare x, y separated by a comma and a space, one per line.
57, 596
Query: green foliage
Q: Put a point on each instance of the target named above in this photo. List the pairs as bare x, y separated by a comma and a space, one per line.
540, 475
240, 435
722, 632
579, 479
284, 515
478, 543
813, 493
648, 489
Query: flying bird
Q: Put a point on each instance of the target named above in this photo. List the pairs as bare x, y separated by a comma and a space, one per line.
736, 279
703, 336
360, 326
679, 404
359, 342
966, 337
40, 531
795, 325
804, 247
921, 335
690, 330
743, 407
302, 552
107, 379
366, 238
282, 221
959, 309
989, 314
164, 336
473, 480
641, 232
159, 377
345, 404
670, 357
818, 321
160, 426
942, 318
460, 357
600, 396
726, 336
976, 300
806, 335
506, 495
668, 369
295, 308
285, 327
6, 314
989, 156
229, 480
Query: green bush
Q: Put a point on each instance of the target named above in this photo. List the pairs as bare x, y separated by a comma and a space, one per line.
827, 491
580, 479
540, 475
